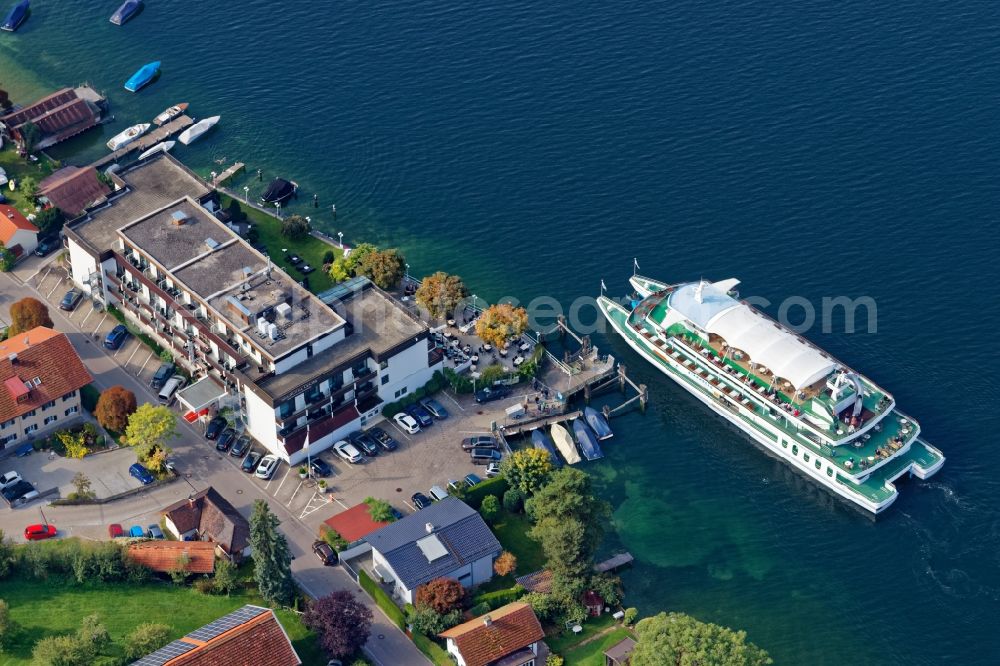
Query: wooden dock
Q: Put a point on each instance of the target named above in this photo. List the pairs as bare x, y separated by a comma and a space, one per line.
527, 425
229, 173
146, 141
616, 562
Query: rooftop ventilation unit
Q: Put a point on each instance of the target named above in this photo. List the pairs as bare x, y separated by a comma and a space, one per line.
178, 218
272, 332
262, 326
284, 310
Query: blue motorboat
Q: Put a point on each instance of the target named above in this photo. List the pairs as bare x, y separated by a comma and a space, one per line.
15, 17
541, 441
597, 423
587, 440
142, 78
126, 11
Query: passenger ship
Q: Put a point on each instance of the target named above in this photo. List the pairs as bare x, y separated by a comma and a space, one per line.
829, 422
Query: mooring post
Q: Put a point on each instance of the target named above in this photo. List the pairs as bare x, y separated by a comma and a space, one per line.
643, 398
586, 393
606, 410
561, 323
621, 377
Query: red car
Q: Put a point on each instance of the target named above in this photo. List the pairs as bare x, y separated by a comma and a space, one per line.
115, 531
39, 532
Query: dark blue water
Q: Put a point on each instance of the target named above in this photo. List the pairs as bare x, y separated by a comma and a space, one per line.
810, 148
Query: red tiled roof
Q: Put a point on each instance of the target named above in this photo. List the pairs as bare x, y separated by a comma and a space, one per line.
43, 354
354, 523
165, 556
73, 189
510, 628
12, 221
59, 116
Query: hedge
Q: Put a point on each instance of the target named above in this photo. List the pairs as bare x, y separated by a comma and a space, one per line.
89, 396
432, 650
382, 600
496, 486
435, 384
499, 598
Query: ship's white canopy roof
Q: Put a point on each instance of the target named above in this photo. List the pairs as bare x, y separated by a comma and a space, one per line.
763, 339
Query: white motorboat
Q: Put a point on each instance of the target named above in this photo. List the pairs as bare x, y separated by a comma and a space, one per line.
170, 114
564, 442
128, 136
162, 147
195, 131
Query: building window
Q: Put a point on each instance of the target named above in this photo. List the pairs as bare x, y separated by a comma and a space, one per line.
385, 379
50, 419
401, 392
30, 429
69, 396
383, 365
8, 438
286, 409
72, 410
50, 403
25, 417
7, 424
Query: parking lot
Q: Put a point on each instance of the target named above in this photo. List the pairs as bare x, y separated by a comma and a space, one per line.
108, 472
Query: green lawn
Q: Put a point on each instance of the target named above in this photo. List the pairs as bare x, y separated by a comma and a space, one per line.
592, 654
16, 169
309, 248
49, 608
512, 531
565, 640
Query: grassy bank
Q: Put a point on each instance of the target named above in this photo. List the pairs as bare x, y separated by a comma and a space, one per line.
17, 169
592, 654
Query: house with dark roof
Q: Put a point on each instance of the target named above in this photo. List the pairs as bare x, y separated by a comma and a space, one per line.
508, 636
73, 189
208, 516
249, 636
17, 233
40, 380
197, 557
447, 539
620, 653
57, 117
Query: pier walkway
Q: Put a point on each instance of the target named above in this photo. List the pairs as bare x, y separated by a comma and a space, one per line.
146, 141
527, 425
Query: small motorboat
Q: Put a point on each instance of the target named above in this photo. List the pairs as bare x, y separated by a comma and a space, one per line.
279, 191
170, 114
598, 423
161, 147
564, 442
587, 440
195, 131
141, 79
16, 16
128, 136
541, 441
126, 11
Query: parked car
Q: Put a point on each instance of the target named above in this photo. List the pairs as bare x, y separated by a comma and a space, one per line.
215, 427
321, 467
492, 470
39, 532
250, 462
421, 501
46, 246
225, 440
435, 408
348, 452
116, 337
19, 493
479, 441
455, 485
115, 531
438, 493
267, 467
162, 374
70, 300
241, 446
383, 438
136, 531
472, 480
154, 532
9, 479
168, 393
491, 393
363, 443
141, 474
483, 456
326, 554
407, 423
422, 416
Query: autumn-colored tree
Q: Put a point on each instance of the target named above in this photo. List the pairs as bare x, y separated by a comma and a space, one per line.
114, 407
346, 266
443, 595
499, 322
441, 293
505, 564
26, 314
149, 429
527, 469
384, 267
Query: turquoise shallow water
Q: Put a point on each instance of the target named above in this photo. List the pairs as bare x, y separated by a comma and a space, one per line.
810, 149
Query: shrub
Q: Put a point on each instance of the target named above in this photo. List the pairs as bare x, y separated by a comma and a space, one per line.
496, 486
7, 260
630, 615
489, 508
226, 578
147, 637
379, 510
382, 600
89, 395
499, 598
441, 595
554, 660
333, 539
513, 500
480, 609
204, 585
427, 621
329, 257
505, 564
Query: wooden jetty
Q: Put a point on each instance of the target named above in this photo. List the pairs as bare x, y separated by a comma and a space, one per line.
613, 563
527, 425
228, 173
146, 141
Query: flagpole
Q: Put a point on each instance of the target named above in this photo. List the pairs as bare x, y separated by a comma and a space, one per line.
309, 467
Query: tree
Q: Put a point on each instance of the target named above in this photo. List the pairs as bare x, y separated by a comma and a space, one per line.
149, 428
156, 461
341, 622
82, 485
7, 260
527, 469
489, 508
379, 510
179, 572
6, 625
554, 660
74, 443
505, 564
346, 265
630, 614
28, 187
272, 561
384, 267
676, 638
49, 221
430, 623
295, 226
441, 293
80, 649
499, 322
147, 637
6, 555
513, 501
114, 407
26, 314
30, 134
226, 577
442, 595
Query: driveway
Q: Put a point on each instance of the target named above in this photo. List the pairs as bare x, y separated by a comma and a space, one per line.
107, 471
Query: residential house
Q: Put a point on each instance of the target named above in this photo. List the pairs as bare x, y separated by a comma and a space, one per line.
57, 117
620, 653
208, 516
508, 636
447, 539
41, 376
73, 189
249, 636
354, 524
197, 557
17, 233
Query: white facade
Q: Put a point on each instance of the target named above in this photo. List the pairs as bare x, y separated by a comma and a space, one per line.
28, 240
472, 573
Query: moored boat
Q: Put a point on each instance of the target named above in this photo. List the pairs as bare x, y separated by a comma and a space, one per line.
141, 78
16, 16
541, 441
127, 10
598, 423
161, 147
122, 139
195, 131
170, 114
279, 191
564, 443
587, 440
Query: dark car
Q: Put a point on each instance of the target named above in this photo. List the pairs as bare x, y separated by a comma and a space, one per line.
489, 394
481, 456
225, 440
422, 416
162, 374
421, 501
141, 474
326, 554
472, 480
154, 532
436, 409
363, 442
321, 467
70, 300
241, 446
46, 246
383, 439
479, 441
116, 337
250, 462
215, 427
16, 491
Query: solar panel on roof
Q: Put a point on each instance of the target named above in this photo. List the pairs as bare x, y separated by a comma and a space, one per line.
226, 622
165, 654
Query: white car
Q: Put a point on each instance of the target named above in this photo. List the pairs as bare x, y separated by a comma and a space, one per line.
9, 479
268, 466
407, 423
348, 452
